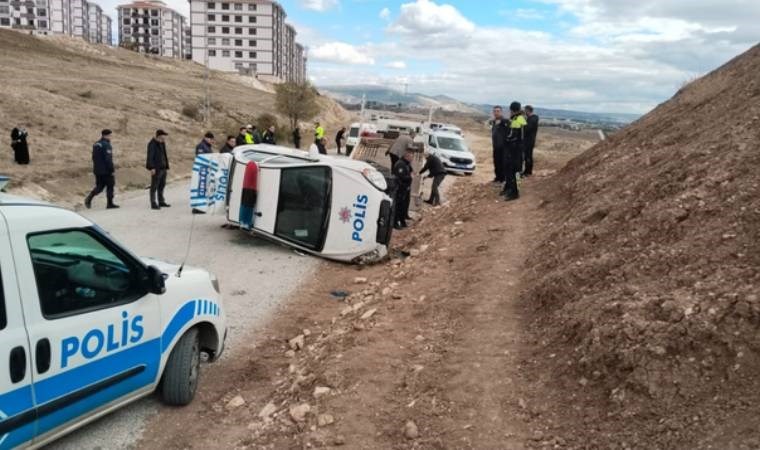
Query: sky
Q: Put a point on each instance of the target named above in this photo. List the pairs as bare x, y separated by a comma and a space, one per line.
588, 55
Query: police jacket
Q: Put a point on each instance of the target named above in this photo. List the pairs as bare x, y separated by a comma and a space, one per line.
203, 147
226, 149
516, 131
531, 129
240, 139
157, 158
499, 133
102, 158
434, 165
402, 170
269, 138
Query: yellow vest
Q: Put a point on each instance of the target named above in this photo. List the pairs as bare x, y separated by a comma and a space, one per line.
319, 133
518, 122
248, 138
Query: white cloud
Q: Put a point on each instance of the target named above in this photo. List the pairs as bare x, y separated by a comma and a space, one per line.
319, 5
431, 24
399, 65
385, 14
340, 53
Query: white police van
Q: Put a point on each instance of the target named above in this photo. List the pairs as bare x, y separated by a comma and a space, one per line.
87, 327
452, 149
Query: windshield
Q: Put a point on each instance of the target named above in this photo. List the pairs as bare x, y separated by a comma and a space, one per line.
447, 143
354, 132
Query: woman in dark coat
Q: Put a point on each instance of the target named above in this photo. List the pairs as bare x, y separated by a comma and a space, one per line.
20, 146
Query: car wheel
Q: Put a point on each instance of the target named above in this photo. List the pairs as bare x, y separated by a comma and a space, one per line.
180, 379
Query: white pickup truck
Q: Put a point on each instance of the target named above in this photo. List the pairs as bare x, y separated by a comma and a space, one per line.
87, 327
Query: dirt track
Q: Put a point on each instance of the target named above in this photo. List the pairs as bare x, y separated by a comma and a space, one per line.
434, 337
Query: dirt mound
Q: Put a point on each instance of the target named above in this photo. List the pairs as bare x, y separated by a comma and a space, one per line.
648, 274
64, 91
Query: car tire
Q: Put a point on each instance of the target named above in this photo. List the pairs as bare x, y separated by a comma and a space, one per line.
180, 379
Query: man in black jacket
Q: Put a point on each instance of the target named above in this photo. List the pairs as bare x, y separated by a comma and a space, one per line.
158, 164
240, 140
20, 146
434, 165
531, 131
102, 167
402, 170
499, 132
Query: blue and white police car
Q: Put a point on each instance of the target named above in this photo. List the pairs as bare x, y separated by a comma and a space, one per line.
87, 327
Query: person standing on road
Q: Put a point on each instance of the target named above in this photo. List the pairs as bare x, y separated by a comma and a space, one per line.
319, 136
229, 145
255, 135
434, 165
402, 170
269, 137
205, 146
400, 146
339, 138
157, 163
297, 137
102, 167
499, 132
242, 138
531, 131
20, 146
514, 151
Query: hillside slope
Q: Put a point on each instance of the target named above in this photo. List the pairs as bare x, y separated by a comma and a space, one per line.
64, 91
648, 278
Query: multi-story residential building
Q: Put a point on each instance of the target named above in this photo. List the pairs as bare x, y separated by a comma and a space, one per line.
152, 27
80, 18
244, 36
60, 17
299, 72
31, 15
106, 30
187, 46
94, 23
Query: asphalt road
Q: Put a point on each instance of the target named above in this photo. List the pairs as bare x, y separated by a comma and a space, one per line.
255, 277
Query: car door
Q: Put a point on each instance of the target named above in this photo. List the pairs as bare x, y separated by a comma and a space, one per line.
304, 205
93, 330
17, 412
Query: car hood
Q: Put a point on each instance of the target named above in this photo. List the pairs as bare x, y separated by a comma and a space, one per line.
456, 154
168, 268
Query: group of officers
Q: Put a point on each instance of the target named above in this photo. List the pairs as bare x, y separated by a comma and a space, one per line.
514, 138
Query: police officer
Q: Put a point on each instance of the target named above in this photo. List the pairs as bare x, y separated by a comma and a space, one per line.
434, 165
157, 162
319, 136
102, 167
499, 132
402, 170
514, 151
531, 131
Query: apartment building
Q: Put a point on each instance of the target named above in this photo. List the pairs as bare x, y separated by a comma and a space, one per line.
106, 30
29, 15
244, 36
187, 46
152, 27
69, 17
94, 23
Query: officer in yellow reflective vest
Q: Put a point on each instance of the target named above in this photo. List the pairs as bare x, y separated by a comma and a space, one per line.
514, 153
319, 136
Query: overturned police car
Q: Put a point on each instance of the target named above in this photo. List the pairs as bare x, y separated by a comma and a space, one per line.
336, 208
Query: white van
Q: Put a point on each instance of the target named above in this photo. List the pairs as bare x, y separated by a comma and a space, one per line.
87, 327
453, 151
336, 208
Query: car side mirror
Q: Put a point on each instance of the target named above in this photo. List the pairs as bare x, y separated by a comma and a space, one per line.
156, 282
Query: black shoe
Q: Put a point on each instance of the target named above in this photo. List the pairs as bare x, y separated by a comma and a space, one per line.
429, 202
154, 206
88, 202
113, 206
164, 205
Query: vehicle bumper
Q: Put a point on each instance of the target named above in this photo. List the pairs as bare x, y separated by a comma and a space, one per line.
458, 169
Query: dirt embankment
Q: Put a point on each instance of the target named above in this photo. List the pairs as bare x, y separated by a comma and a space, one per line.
426, 351
64, 91
645, 283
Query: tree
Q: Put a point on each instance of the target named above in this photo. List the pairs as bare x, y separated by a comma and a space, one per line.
296, 101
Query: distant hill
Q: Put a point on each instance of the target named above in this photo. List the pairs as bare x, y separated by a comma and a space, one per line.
380, 94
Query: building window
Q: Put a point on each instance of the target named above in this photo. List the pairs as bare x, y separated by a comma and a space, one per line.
238, 6
41, 12
226, 6
5, 21
252, 55
211, 17
212, 53
154, 12
238, 42
211, 29
225, 53
126, 20
154, 22
225, 18
251, 19
252, 43
225, 30
210, 5
154, 32
42, 23
252, 7
211, 41
225, 41
238, 54
239, 19
252, 31
238, 31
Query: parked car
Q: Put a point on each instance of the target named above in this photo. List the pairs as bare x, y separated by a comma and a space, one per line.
453, 151
355, 134
336, 208
87, 327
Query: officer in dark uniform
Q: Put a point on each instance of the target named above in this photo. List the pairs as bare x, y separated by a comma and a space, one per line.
499, 132
514, 151
402, 170
531, 131
434, 165
102, 167
157, 162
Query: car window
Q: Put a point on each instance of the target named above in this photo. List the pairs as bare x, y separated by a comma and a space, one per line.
303, 206
3, 317
354, 132
454, 144
431, 141
77, 271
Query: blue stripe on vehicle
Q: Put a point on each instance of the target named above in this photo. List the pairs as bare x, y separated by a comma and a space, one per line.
11, 404
180, 319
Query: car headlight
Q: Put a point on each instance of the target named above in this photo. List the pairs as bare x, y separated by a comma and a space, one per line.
375, 178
